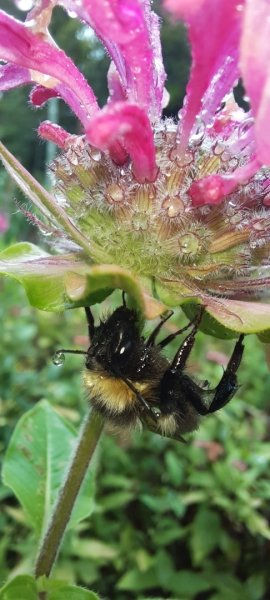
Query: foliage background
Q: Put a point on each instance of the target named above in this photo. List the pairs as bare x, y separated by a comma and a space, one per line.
171, 520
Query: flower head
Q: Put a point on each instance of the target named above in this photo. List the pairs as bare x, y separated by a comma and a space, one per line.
177, 211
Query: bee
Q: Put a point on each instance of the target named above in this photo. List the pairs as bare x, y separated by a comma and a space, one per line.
131, 383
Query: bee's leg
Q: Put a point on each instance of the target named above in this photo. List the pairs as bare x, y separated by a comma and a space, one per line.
180, 359
152, 411
90, 321
152, 337
228, 386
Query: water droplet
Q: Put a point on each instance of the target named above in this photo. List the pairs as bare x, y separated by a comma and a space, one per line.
198, 137
58, 358
174, 206
115, 193
156, 412
95, 154
189, 243
218, 148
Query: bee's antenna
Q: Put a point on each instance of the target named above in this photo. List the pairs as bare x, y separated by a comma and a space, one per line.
124, 298
59, 356
64, 351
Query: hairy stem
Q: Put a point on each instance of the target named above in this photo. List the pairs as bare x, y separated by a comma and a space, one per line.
89, 436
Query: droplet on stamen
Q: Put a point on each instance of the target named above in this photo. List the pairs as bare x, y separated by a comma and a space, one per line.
115, 193
174, 206
189, 243
95, 154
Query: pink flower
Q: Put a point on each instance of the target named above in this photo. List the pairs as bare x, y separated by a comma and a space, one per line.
4, 224
183, 207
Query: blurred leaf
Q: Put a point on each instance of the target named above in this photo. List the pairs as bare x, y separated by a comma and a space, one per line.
23, 587
116, 500
36, 459
255, 586
188, 584
93, 549
135, 580
205, 534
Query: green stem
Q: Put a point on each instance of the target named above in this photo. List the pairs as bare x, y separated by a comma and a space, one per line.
41, 198
89, 436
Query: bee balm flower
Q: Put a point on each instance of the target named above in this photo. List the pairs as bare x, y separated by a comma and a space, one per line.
176, 213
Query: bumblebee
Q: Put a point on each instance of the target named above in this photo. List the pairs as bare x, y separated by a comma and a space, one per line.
131, 383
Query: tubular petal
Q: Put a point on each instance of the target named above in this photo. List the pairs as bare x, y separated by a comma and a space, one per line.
130, 31
18, 45
53, 133
129, 125
12, 76
214, 188
214, 55
116, 90
255, 68
40, 94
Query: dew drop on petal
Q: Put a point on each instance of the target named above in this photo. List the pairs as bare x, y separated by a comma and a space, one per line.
189, 243
95, 154
58, 359
174, 206
115, 193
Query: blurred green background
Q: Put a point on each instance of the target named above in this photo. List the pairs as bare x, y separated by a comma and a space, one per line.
171, 521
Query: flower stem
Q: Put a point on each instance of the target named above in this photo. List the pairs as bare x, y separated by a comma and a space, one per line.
89, 436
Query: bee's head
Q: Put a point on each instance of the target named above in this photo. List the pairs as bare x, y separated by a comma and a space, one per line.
115, 341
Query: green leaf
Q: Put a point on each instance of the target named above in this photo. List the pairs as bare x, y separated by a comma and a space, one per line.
135, 580
223, 318
72, 592
55, 283
205, 534
41, 274
240, 316
59, 590
111, 277
23, 587
36, 459
189, 583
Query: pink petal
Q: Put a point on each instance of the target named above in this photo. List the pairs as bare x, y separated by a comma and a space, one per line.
54, 133
255, 68
130, 31
214, 33
4, 224
115, 87
40, 94
12, 76
20, 46
129, 125
214, 188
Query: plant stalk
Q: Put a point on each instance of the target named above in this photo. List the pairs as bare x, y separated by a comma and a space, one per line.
88, 439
